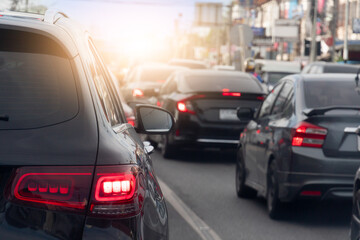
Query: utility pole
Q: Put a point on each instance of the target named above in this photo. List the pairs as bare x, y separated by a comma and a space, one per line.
313, 53
229, 32
333, 28
346, 51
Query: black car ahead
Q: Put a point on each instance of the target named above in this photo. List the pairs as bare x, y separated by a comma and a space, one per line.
143, 83
188, 63
302, 142
355, 219
71, 167
327, 67
204, 104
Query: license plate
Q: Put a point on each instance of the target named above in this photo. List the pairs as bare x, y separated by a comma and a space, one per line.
228, 114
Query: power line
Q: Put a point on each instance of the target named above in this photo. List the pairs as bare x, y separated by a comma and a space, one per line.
148, 3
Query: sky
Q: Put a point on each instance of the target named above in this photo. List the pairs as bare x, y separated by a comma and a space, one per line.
118, 17
134, 26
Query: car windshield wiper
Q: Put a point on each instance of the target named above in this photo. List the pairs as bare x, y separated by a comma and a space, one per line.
4, 118
320, 111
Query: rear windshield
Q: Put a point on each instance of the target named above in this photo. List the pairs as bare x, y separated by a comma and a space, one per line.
274, 77
37, 86
340, 69
219, 83
189, 65
330, 93
155, 75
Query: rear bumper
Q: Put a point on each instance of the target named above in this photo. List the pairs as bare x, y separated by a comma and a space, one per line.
314, 186
190, 132
311, 174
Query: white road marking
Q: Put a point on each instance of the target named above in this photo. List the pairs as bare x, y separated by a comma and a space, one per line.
200, 227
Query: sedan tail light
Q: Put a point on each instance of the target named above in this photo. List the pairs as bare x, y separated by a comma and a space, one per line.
308, 135
138, 93
185, 107
117, 191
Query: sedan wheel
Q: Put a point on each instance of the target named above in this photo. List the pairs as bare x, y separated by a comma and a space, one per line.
355, 223
274, 206
167, 150
242, 190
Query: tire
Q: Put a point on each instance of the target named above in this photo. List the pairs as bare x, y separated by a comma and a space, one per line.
167, 150
354, 226
274, 205
242, 190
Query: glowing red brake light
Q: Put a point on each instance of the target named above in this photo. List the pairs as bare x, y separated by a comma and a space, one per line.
308, 135
117, 191
115, 187
185, 107
138, 93
232, 94
261, 98
59, 187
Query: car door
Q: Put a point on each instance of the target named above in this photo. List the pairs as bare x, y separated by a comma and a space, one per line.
154, 210
271, 131
257, 132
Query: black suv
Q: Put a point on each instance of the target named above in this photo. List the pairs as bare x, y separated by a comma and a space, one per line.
71, 167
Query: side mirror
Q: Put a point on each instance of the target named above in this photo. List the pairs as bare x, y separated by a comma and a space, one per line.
153, 120
245, 113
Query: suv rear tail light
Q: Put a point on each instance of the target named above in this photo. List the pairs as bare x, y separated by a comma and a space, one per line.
52, 187
138, 93
118, 191
308, 135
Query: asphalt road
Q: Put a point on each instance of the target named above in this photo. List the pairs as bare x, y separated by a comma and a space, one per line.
205, 182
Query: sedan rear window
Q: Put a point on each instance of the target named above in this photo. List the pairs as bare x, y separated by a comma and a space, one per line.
330, 93
220, 83
156, 75
37, 86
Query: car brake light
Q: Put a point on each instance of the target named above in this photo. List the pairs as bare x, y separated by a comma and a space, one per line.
138, 93
231, 94
117, 191
308, 135
261, 98
131, 120
52, 187
311, 193
185, 107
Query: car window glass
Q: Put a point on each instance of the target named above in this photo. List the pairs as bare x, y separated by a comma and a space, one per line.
167, 84
281, 99
268, 102
37, 82
104, 90
337, 92
289, 106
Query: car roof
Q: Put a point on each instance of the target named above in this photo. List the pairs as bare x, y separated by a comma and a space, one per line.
38, 24
160, 66
211, 72
181, 60
279, 66
325, 77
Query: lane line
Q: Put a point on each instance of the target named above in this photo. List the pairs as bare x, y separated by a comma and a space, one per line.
200, 227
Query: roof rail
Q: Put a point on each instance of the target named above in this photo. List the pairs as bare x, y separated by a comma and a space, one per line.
52, 15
